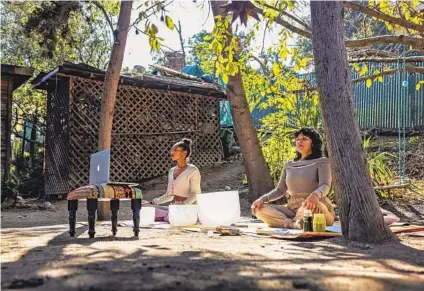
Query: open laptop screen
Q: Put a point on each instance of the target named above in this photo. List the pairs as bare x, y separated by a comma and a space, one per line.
99, 167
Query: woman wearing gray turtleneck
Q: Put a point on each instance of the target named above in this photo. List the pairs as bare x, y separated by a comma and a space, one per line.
307, 179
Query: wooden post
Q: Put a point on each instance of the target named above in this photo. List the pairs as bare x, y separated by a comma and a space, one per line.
103, 210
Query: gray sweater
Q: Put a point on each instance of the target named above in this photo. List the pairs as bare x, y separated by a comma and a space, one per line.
302, 178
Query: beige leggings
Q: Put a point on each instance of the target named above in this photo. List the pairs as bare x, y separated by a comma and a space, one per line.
282, 216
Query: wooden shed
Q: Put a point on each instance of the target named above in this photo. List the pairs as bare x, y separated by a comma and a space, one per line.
151, 114
11, 78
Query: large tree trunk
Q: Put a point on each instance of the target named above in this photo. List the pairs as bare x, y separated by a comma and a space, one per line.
112, 77
258, 174
361, 217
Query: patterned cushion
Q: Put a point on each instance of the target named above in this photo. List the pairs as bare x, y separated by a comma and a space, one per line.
105, 191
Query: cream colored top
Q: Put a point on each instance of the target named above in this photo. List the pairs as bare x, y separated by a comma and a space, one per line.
302, 178
187, 184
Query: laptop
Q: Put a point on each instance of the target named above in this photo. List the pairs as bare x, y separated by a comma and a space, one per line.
99, 170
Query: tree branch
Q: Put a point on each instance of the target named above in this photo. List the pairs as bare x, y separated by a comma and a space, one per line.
385, 39
382, 16
263, 39
388, 60
408, 68
162, 45
109, 21
305, 25
180, 34
264, 69
287, 25
372, 52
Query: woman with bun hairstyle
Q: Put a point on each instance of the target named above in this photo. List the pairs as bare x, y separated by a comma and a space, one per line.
183, 180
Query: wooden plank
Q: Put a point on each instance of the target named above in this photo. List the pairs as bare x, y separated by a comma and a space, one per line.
391, 187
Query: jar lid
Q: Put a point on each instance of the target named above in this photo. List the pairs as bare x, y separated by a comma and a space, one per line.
307, 212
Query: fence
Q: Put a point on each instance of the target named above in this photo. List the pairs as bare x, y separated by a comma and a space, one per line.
385, 105
391, 103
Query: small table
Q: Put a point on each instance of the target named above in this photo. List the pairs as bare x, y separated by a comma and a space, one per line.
113, 191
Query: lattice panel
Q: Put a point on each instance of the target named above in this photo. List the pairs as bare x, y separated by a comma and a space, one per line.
208, 146
57, 159
145, 126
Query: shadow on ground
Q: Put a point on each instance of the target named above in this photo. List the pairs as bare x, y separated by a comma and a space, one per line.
169, 260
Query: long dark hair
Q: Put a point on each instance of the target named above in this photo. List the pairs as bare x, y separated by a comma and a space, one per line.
316, 143
185, 145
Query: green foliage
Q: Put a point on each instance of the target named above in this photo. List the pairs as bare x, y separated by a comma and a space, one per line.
380, 172
80, 36
28, 176
9, 190
414, 140
201, 53
277, 133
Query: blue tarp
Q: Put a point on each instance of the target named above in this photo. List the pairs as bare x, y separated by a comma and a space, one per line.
224, 106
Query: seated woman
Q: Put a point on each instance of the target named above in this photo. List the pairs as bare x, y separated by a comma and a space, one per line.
183, 181
307, 179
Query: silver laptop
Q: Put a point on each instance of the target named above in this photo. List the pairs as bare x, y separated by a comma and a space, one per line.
100, 168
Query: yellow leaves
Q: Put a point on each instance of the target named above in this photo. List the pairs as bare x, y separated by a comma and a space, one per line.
290, 5
284, 52
216, 47
418, 86
270, 13
384, 6
169, 23
378, 78
369, 83
356, 67
415, 3
208, 37
364, 70
275, 69
225, 78
154, 29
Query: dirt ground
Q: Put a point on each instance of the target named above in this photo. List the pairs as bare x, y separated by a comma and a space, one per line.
38, 254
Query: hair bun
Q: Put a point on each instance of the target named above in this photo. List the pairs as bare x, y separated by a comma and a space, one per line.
186, 141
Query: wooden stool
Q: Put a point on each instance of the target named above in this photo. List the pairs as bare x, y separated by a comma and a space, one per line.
115, 193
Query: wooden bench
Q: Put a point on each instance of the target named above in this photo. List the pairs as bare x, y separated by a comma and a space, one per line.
390, 187
114, 193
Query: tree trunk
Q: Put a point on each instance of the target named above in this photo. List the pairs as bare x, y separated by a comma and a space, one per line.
112, 77
257, 171
361, 217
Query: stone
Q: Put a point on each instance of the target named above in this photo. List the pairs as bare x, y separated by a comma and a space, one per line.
48, 206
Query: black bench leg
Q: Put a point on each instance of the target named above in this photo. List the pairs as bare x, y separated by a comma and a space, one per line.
114, 208
72, 208
136, 207
92, 209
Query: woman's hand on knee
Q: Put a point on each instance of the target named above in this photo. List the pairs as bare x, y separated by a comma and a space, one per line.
311, 202
257, 204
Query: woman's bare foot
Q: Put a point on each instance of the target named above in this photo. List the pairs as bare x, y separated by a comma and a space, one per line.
289, 223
